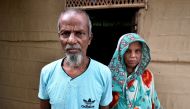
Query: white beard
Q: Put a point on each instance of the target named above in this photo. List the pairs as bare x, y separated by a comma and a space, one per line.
74, 60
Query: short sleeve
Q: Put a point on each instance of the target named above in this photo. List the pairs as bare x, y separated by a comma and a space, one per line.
107, 93
42, 94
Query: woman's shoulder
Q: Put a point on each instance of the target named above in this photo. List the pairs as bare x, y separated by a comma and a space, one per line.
147, 77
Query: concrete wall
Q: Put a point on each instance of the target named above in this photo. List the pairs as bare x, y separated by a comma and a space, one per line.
28, 40
166, 27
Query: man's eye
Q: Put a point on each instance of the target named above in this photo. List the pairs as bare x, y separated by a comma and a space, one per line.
65, 33
78, 33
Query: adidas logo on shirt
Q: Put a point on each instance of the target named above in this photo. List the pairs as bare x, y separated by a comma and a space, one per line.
88, 103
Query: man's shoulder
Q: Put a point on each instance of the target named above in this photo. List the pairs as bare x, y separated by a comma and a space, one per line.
99, 66
52, 65
95, 62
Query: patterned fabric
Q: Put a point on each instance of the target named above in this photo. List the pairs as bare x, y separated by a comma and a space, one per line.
136, 91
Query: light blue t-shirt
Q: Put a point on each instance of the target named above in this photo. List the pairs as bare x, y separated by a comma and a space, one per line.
87, 91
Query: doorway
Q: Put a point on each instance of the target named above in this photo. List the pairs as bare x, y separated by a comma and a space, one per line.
108, 25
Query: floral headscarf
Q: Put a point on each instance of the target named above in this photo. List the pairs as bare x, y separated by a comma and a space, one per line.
120, 76
117, 64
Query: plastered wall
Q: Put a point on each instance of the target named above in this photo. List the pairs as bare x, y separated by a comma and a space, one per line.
28, 41
166, 27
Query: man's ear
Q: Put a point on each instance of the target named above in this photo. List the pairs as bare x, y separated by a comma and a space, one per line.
90, 38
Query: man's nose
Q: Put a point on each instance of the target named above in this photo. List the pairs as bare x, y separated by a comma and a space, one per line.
72, 39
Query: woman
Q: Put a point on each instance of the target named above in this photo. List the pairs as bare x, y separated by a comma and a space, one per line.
133, 84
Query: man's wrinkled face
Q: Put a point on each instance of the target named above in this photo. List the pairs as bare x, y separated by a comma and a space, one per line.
74, 36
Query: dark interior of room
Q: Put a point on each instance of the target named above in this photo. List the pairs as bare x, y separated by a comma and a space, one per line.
108, 25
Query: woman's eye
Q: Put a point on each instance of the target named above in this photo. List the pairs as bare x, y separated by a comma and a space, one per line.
138, 51
128, 52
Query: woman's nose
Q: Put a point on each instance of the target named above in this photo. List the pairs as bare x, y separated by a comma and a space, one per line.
133, 54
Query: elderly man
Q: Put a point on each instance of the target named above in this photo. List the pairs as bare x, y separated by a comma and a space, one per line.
75, 81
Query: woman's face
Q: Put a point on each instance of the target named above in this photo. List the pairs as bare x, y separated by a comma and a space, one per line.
133, 55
